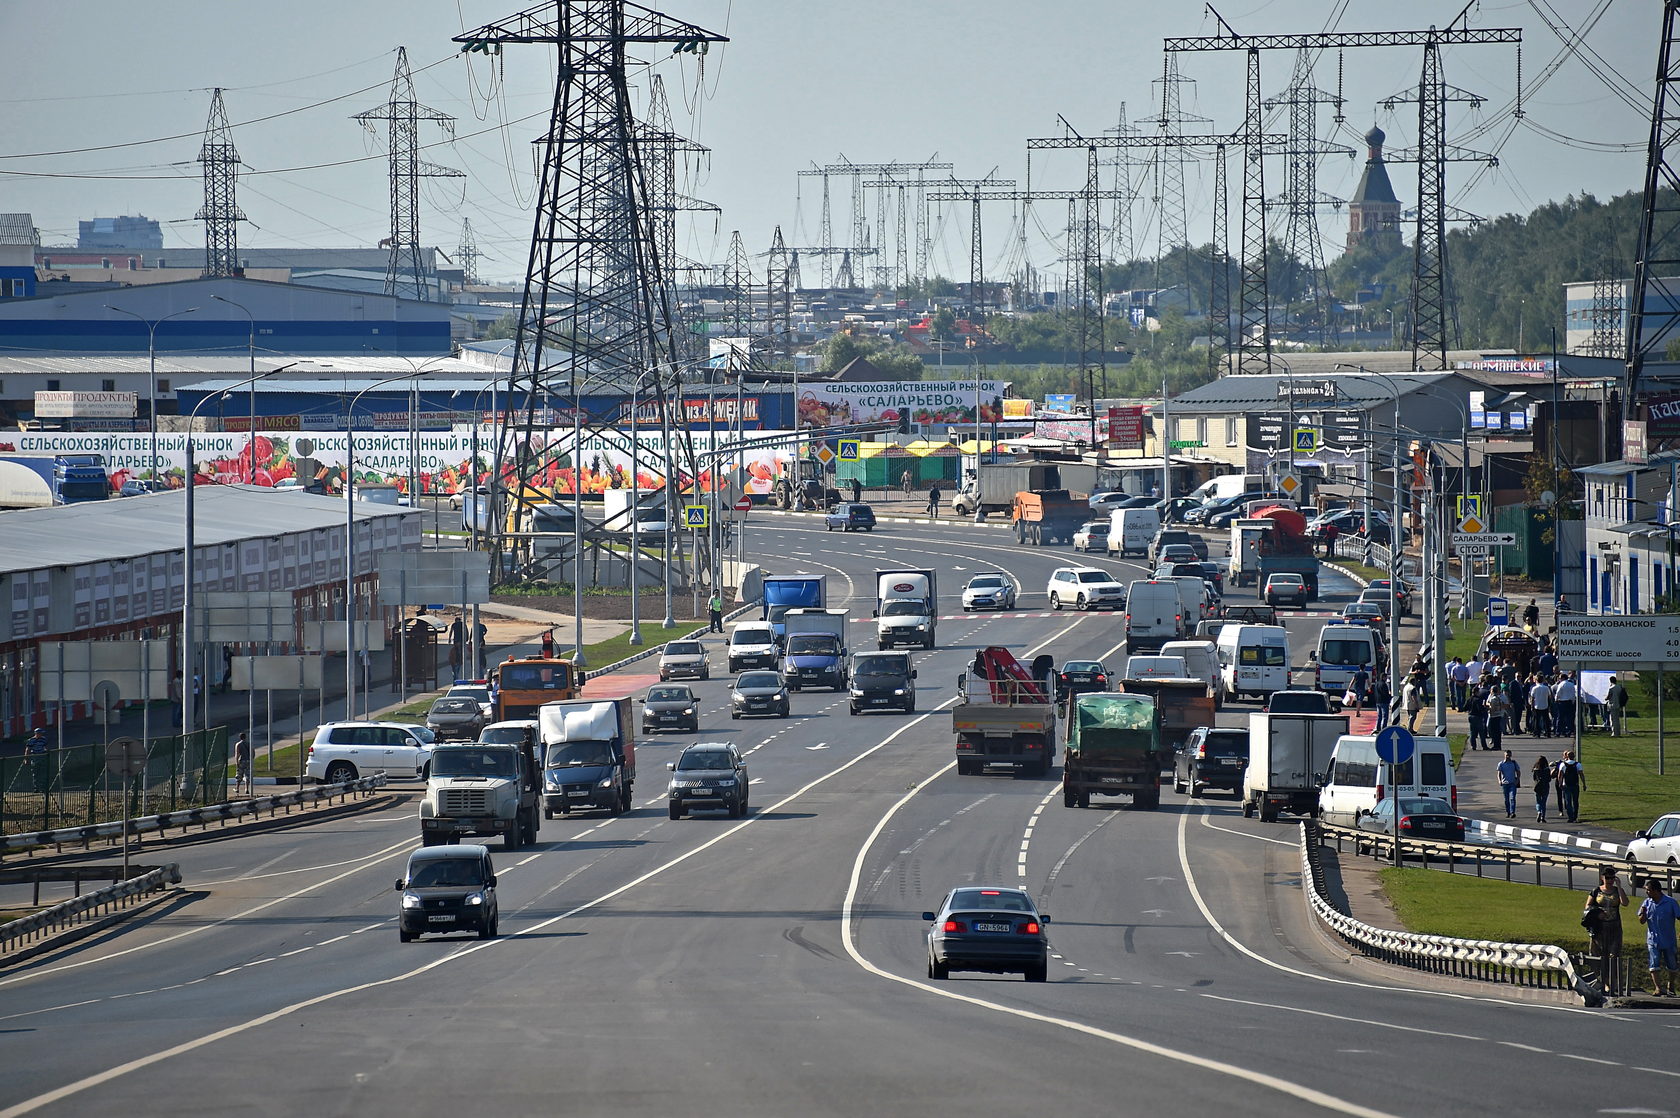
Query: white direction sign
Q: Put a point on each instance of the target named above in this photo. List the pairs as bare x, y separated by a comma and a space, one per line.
1484, 539
1610, 641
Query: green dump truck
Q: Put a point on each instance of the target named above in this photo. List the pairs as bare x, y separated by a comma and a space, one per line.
1112, 747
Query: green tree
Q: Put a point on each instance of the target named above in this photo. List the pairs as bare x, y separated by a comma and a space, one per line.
504, 327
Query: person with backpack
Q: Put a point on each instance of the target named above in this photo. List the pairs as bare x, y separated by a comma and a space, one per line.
1499, 709
1571, 782
1615, 707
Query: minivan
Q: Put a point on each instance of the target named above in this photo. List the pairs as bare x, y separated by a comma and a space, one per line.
1342, 650
882, 680
1154, 614
448, 888
1130, 531
1193, 593
1253, 659
1201, 661
1356, 778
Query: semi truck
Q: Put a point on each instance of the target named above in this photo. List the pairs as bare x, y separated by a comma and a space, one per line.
1004, 716
589, 755
38, 481
906, 607
1046, 516
482, 789
1286, 754
1283, 545
995, 485
1113, 748
815, 653
785, 592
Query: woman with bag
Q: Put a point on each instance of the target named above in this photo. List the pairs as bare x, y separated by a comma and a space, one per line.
1541, 774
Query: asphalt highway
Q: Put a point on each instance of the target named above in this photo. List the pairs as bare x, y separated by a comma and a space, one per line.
775, 965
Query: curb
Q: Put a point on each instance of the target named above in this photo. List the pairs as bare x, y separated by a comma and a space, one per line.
957, 520
1523, 836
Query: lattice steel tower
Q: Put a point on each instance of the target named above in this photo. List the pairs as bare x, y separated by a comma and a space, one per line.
467, 254
405, 275
1653, 301
220, 214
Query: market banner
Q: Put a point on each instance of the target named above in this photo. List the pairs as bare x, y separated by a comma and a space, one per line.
927, 402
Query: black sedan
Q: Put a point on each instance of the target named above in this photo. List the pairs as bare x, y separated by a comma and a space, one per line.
1080, 676
1421, 817
848, 516
983, 928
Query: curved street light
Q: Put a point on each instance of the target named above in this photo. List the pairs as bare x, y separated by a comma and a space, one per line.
151, 326
251, 351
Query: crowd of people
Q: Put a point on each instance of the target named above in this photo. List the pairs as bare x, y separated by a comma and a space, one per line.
1501, 696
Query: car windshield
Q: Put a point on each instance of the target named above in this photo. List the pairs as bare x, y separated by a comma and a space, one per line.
1082, 666
503, 735
703, 760
1093, 576
1001, 900
476, 694
534, 677
758, 680
472, 762
573, 753
751, 637
1345, 652
812, 644
447, 873
985, 582
904, 607
876, 668
670, 695
683, 648
1425, 807
455, 706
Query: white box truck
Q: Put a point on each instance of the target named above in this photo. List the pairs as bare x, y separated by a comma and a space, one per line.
1286, 755
1245, 551
906, 607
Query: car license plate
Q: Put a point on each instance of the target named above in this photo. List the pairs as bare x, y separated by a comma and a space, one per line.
700, 791
1231, 761
1113, 780
993, 928
668, 717
440, 920
878, 702
579, 795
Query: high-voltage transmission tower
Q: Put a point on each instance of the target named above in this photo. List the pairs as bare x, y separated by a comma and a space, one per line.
597, 307
825, 248
1609, 336
861, 245
1260, 144
778, 294
1219, 271
402, 114
467, 254
1168, 159
660, 147
1429, 339
973, 191
1301, 199
1120, 247
738, 282
1653, 301
220, 213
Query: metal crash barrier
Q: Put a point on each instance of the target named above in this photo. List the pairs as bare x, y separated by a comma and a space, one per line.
29, 930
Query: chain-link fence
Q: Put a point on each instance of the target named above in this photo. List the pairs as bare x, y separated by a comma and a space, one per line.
70, 787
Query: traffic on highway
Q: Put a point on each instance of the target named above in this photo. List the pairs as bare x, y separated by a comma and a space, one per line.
913, 835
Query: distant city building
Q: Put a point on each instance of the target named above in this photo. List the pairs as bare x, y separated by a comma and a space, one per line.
17, 256
105, 233
1373, 211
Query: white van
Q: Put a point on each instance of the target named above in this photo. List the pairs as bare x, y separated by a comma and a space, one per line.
1343, 648
1154, 614
753, 644
1130, 531
1357, 778
1193, 593
1253, 659
1227, 485
1156, 667
1201, 661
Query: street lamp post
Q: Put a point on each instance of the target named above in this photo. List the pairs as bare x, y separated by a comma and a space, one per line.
483, 507
350, 537
189, 571
151, 326
251, 351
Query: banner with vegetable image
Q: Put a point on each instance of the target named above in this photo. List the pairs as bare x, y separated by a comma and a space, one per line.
928, 403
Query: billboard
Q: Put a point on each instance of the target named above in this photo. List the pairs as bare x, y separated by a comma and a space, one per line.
86, 405
926, 402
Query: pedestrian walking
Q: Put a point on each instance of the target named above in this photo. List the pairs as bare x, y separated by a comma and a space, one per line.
1510, 779
1531, 617
904, 482
1357, 688
1381, 699
933, 501
548, 643
1657, 912
1563, 705
1412, 698
1571, 782
1476, 710
242, 764
1499, 711
1458, 675
1610, 898
1539, 708
227, 668
1541, 777
1615, 707
857, 490
714, 608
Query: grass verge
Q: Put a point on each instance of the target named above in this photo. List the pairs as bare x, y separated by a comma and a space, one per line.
1466, 636
1624, 790
1360, 569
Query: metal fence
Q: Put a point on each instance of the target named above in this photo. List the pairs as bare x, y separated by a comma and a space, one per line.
71, 787
43, 925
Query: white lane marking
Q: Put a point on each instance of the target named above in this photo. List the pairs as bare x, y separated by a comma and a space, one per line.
1026, 834
847, 925
1375, 1022
376, 856
1240, 834
1238, 945
68, 1090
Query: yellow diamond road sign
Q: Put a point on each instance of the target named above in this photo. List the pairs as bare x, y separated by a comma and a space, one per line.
1473, 525
824, 455
1289, 483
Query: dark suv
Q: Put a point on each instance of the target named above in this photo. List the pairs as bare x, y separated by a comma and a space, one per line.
448, 889
1176, 535
1212, 757
708, 774
850, 515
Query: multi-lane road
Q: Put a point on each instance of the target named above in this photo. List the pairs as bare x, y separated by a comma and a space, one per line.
775, 965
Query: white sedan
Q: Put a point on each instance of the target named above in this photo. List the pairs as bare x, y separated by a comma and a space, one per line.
1658, 844
989, 591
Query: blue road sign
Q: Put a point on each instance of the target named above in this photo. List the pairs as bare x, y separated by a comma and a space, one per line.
1395, 744
695, 516
1499, 611
848, 450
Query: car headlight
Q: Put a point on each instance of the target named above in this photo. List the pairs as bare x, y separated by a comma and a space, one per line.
780, 695
726, 782
411, 900
736, 696
856, 694
473, 899
688, 710
677, 784
899, 692
607, 783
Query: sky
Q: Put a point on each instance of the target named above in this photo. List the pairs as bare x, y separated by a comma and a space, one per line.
103, 111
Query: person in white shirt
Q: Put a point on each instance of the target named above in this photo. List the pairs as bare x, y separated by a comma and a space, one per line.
1474, 669
1540, 709
1563, 706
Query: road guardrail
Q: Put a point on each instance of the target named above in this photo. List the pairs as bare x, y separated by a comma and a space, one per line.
27, 930
1521, 964
191, 817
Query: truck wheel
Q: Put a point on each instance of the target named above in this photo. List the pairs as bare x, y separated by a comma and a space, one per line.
966, 766
1268, 814
531, 827
428, 839
1069, 797
510, 835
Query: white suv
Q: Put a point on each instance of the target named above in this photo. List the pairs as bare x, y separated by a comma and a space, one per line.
346, 750
1085, 588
